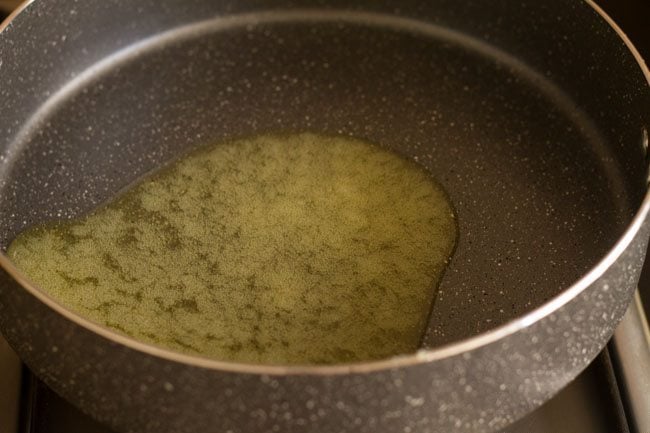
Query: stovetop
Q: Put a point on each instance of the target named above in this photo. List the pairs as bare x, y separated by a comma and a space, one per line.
590, 404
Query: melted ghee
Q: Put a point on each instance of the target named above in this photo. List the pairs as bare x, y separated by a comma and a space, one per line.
279, 249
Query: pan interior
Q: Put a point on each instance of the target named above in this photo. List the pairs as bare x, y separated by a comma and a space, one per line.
538, 198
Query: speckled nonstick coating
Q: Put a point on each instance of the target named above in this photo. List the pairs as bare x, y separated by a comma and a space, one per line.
531, 114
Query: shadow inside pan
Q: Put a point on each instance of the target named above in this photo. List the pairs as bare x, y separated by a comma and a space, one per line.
538, 195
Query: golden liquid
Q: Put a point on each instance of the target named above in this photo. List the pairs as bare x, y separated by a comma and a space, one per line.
292, 249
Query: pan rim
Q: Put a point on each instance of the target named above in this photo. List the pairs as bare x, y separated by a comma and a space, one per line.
422, 356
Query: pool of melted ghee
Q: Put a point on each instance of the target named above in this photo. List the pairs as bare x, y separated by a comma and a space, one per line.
278, 249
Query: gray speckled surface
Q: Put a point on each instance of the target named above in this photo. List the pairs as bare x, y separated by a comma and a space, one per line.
544, 176
479, 125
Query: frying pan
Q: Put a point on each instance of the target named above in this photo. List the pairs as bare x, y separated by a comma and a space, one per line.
531, 114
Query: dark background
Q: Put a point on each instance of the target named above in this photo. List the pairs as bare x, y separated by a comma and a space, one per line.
634, 18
